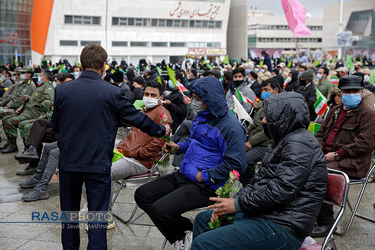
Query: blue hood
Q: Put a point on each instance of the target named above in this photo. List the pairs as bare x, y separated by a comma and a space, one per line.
211, 91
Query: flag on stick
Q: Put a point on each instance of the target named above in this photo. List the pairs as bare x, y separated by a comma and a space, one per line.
226, 59
320, 105
295, 14
240, 111
176, 84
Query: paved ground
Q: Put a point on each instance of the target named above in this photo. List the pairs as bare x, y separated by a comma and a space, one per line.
133, 236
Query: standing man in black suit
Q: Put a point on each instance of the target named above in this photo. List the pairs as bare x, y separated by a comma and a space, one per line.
86, 116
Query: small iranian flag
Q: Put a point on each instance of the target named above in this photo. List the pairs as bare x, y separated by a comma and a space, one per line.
242, 97
320, 105
256, 99
335, 80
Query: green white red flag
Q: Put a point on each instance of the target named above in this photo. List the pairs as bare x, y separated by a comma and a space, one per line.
244, 98
320, 105
335, 80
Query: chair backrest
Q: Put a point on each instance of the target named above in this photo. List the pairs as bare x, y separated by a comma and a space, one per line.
337, 187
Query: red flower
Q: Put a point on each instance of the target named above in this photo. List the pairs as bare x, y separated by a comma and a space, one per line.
164, 118
234, 175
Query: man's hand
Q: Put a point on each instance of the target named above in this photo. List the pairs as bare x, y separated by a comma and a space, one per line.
199, 176
168, 130
40, 117
330, 157
186, 99
167, 102
248, 146
254, 104
18, 111
168, 147
224, 206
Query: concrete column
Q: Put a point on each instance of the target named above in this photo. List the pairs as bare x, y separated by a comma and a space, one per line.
237, 29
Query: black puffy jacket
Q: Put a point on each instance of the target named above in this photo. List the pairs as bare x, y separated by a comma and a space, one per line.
290, 187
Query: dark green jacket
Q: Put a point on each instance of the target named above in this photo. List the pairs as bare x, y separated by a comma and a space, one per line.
256, 134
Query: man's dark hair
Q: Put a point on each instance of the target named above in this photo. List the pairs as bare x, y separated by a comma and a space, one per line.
303, 66
6, 72
326, 70
263, 52
77, 66
272, 82
181, 71
93, 56
205, 69
155, 84
48, 74
194, 72
239, 70
179, 76
64, 76
228, 75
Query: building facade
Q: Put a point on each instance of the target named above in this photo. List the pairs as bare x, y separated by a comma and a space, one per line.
267, 31
144, 29
359, 19
15, 26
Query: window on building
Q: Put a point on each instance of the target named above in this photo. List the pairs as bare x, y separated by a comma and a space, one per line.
93, 20
68, 43
130, 21
218, 24
177, 44
115, 20
119, 44
139, 44
159, 44
138, 22
84, 43
213, 45
169, 22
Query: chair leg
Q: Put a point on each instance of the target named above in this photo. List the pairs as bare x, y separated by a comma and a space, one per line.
122, 185
354, 211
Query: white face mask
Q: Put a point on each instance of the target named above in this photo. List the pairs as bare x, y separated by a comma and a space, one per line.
76, 74
150, 102
366, 78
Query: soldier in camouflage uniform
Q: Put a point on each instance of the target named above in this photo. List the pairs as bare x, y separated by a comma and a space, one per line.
32, 109
15, 96
25, 126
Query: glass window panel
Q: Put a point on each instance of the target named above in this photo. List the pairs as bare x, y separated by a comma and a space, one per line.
83, 43
123, 21
96, 20
162, 22
205, 24
211, 24
191, 24
138, 22
198, 24
119, 44
86, 20
139, 44
218, 24
130, 21
159, 44
77, 19
115, 20
146, 22
154, 22
177, 23
185, 23
169, 22
68, 43
68, 19
178, 44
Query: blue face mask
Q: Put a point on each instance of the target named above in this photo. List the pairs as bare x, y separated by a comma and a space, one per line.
262, 70
54, 84
256, 69
248, 71
299, 74
319, 76
280, 71
265, 95
170, 84
351, 101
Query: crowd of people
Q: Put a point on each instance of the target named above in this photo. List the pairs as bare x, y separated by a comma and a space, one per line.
69, 116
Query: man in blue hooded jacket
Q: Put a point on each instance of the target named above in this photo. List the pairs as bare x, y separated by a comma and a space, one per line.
215, 147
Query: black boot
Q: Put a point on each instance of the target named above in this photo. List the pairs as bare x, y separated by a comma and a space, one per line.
12, 147
29, 170
5, 145
29, 154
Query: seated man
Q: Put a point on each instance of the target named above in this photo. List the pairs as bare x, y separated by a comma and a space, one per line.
278, 208
140, 149
240, 84
308, 91
257, 142
32, 109
215, 147
347, 137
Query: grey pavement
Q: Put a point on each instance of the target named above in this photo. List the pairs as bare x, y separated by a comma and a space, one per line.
138, 235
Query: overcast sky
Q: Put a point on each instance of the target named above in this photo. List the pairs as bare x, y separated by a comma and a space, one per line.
315, 7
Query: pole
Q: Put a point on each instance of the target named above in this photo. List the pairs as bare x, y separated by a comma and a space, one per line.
340, 27
294, 37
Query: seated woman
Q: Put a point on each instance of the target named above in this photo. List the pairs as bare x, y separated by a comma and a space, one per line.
279, 206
